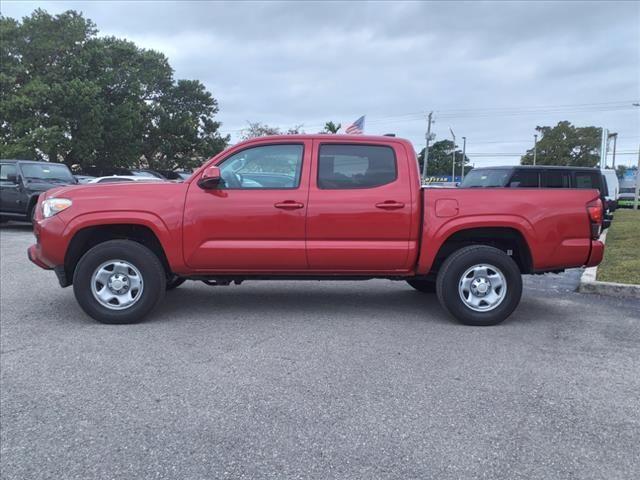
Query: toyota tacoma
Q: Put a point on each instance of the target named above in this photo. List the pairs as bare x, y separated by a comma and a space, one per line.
311, 207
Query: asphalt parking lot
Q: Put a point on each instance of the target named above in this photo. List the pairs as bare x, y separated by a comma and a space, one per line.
346, 380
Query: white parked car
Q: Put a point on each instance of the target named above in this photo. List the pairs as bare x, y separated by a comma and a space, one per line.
613, 187
124, 178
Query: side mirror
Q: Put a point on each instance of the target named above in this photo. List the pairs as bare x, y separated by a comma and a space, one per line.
210, 178
12, 178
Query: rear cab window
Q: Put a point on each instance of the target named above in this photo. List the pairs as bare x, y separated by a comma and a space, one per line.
344, 166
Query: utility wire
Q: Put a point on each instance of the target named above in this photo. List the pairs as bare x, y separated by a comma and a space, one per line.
613, 106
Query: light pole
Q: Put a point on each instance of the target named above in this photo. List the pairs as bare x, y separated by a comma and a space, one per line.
603, 149
615, 140
535, 148
453, 157
635, 201
426, 148
464, 153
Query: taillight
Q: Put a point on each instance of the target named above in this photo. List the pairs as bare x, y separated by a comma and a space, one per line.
596, 215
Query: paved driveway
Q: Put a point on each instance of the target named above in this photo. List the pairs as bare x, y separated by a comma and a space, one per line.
349, 380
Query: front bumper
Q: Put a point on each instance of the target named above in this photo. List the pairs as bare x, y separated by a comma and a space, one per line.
597, 253
51, 245
34, 252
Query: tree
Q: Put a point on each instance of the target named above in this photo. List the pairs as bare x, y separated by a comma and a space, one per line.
257, 129
295, 130
440, 154
181, 125
565, 144
68, 95
331, 127
621, 170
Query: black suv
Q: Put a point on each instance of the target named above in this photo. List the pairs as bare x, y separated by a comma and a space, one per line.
540, 176
21, 181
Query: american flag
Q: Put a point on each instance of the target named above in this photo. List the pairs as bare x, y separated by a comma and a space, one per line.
356, 128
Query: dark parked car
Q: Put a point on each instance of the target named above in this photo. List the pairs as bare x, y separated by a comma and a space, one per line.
175, 175
21, 181
540, 176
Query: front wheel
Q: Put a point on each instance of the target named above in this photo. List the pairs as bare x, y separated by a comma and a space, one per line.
479, 285
119, 281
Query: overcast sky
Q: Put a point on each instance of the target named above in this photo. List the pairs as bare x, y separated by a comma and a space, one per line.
491, 71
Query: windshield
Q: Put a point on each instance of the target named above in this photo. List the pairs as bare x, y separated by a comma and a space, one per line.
40, 171
482, 178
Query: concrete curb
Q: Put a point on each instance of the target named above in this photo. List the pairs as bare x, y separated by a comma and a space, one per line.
589, 284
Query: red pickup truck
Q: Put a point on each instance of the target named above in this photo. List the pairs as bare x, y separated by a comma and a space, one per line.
311, 207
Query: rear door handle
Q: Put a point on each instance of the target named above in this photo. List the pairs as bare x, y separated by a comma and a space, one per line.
289, 205
390, 205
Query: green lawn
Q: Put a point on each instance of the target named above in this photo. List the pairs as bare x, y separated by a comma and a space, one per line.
621, 262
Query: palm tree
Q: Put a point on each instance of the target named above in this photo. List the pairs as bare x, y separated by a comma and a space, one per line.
331, 127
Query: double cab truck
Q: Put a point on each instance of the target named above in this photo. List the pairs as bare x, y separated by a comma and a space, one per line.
311, 207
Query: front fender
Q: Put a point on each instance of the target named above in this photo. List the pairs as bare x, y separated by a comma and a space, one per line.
169, 238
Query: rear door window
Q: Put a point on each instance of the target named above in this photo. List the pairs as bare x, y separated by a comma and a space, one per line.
524, 179
355, 166
556, 179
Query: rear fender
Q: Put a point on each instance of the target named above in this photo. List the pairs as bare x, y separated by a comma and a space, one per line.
436, 234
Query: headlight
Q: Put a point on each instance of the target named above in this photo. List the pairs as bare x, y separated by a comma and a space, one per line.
52, 206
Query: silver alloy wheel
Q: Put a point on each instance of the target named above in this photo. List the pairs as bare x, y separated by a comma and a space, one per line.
117, 284
482, 287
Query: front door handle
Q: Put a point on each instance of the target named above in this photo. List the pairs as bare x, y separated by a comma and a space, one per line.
289, 205
390, 205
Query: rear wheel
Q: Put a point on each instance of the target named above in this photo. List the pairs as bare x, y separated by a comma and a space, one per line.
423, 285
119, 281
479, 285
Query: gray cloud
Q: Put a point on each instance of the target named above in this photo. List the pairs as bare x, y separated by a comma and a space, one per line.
305, 63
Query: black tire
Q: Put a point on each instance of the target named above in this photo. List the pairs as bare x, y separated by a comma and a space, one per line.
139, 256
31, 215
174, 282
423, 285
451, 274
